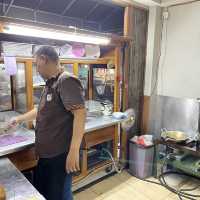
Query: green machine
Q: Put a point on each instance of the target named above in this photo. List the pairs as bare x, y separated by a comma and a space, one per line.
185, 162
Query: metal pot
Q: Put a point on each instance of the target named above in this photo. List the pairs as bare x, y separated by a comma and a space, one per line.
176, 136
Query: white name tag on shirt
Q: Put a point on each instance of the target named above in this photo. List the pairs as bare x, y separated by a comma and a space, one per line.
49, 97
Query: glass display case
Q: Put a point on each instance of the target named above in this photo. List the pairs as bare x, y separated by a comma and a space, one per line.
103, 84
97, 81
83, 75
39, 83
5, 90
13, 89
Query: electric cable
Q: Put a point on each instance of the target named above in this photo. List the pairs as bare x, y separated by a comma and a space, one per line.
180, 193
118, 170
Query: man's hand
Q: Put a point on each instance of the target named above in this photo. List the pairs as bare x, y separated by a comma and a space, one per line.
13, 123
7, 127
72, 162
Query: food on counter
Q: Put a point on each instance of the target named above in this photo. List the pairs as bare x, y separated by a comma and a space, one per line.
6, 140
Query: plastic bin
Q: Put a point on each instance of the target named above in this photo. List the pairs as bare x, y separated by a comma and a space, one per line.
141, 160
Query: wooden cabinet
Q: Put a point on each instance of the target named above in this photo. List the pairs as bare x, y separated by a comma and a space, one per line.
91, 141
24, 159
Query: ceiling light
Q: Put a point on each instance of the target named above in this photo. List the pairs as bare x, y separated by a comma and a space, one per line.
39, 32
148, 2
139, 2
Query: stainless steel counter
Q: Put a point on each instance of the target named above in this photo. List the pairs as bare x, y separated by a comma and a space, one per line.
16, 185
96, 123
30, 140
4, 116
92, 124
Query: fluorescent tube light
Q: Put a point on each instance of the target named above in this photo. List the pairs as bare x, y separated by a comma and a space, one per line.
148, 2
31, 31
138, 2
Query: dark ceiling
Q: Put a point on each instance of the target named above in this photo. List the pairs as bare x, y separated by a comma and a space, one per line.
96, 15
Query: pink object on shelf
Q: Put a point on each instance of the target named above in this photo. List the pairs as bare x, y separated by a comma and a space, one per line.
10, 65
6, 140
78, 50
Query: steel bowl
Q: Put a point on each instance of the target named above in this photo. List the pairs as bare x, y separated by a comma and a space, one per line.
177, 136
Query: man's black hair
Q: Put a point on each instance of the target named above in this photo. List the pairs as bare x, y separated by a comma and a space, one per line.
49, 52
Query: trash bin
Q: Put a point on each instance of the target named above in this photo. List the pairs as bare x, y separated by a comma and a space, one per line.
141, 160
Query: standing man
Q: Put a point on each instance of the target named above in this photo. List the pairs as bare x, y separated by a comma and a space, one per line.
60, 123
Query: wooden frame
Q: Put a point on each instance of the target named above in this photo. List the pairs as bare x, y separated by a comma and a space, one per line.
28, 62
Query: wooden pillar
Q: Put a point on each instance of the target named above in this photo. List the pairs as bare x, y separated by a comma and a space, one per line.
117, 80
75, 69
117, 97
29, 84
128, 32
152, 59
29, 87
128, 24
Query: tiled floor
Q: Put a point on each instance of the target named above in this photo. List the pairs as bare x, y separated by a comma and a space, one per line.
126, 187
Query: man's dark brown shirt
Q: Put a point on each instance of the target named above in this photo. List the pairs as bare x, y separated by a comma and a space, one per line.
54, 122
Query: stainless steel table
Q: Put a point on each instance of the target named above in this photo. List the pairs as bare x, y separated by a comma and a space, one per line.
16, 185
